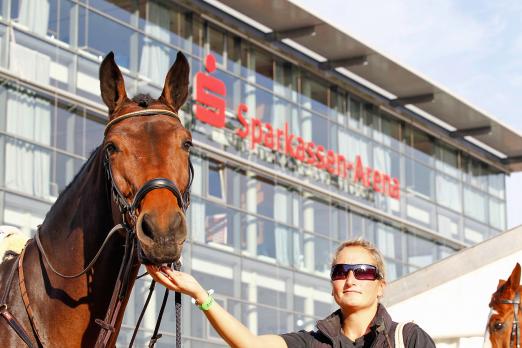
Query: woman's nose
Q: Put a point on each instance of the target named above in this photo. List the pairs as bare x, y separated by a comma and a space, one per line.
350, 278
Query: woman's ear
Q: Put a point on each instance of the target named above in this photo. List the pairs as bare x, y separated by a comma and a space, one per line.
382, 286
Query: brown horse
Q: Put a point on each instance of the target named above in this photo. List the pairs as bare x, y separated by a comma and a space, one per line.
131, 179
503, 329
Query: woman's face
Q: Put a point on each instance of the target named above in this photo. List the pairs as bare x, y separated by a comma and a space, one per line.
352, 294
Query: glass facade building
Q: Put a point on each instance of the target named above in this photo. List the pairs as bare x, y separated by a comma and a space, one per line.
263, 224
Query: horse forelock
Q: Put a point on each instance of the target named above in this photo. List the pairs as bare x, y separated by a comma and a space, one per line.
143, 100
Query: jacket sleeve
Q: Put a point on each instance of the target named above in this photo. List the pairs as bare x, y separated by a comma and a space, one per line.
415, 337
301, 339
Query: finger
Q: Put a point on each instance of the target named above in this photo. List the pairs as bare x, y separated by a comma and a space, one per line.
170, 272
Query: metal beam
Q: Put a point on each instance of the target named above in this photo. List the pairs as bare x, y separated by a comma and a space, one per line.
344, 62
460, 133
291, 33
512, 160
413, 99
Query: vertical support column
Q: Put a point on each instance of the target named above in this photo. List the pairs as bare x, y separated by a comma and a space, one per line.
251, 202
252, 309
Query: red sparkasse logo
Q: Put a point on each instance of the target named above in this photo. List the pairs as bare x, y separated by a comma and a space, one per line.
209, 108
209, 95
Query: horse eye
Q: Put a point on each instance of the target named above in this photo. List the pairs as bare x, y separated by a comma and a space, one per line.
498, 326
111, 148
187, 145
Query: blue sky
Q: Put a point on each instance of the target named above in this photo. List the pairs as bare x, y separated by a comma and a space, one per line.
471, 47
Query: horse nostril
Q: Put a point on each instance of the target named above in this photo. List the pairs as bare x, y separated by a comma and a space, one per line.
176, 221
146, 226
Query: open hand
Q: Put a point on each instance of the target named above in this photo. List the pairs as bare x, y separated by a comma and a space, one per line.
177, 281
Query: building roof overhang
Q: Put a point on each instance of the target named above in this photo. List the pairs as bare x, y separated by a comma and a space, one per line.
404, 86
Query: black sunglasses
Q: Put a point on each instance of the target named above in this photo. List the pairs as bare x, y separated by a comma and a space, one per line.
360, 271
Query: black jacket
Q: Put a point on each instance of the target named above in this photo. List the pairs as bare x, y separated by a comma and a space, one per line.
382, 329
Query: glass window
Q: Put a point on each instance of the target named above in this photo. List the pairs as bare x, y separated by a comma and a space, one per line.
497, 213
448, 192
420, 211
339, 106
476, 173
233, 91
264, 69
220, 224
69, 129
314, 94
100, 35
386, 130
317, 254
236, 55
497, 183
389, 241
65, 171
394, 270
286, 78
475, 232
122, 10
316, 216
216, 179
216, 43
312, 127
30, 168
59, 27
155, 59
475, 204
446, 160
93, 133
422, 146
236, 187
449, 223
340, 223
265, 197
387, 161
24, 213
421, 252
419, 178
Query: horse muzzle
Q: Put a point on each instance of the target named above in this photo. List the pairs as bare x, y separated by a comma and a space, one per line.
160, 238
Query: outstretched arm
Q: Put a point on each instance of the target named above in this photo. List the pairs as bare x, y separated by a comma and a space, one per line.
228, 327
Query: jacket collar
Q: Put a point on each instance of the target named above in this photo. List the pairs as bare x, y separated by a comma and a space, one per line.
331, 325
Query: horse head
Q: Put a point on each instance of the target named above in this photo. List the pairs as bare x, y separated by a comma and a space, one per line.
503, 328
148, 159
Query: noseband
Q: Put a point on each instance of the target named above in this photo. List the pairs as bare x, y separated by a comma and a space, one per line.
153, 184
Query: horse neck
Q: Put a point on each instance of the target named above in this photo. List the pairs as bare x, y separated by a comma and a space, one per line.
72, 233
81, 217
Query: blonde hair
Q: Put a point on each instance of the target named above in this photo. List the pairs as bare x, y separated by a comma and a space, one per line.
376, 254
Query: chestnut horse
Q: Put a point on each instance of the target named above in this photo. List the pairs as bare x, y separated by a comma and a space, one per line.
123, 208
503, 329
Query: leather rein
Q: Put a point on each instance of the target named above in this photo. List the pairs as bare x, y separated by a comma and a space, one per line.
128, 224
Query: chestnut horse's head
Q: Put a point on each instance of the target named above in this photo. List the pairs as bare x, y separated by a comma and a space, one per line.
503, 329
145, 140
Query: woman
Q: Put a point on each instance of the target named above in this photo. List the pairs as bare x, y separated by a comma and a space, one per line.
357, 285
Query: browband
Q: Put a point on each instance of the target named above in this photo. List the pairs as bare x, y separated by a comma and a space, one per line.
148, 112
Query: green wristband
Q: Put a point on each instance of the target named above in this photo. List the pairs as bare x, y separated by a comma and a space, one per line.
208, 303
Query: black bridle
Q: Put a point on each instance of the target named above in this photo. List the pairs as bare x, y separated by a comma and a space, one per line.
515, 327
153, 184
129, 217
515, 330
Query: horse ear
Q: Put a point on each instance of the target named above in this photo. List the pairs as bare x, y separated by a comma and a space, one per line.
175, 90
112, 86
514, 279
